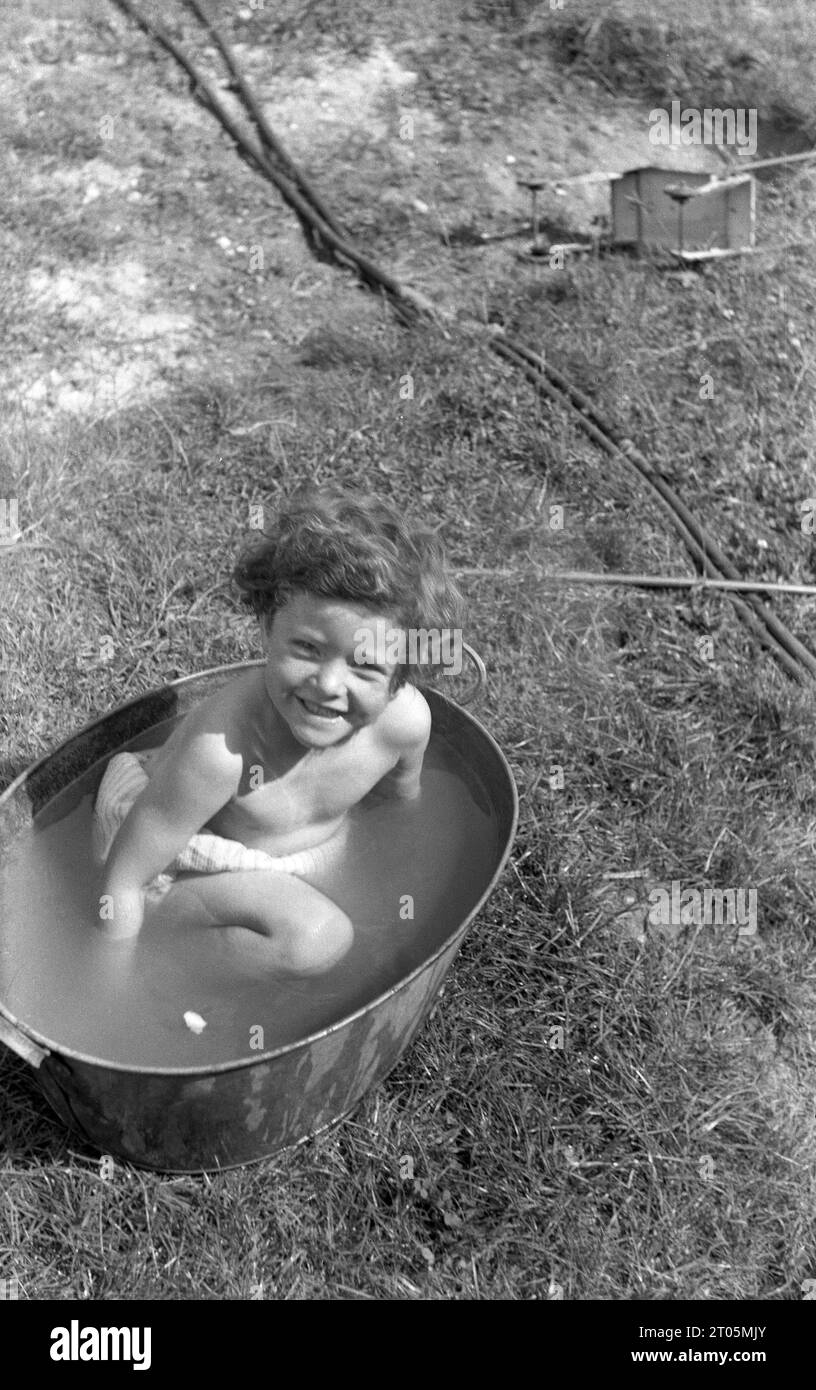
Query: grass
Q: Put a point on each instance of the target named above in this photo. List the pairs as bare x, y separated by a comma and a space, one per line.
721, 54
660, 1146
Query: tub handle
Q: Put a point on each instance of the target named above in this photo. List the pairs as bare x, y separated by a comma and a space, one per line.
479, 683
21, 1043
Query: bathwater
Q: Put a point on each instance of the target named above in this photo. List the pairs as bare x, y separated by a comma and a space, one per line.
410, 875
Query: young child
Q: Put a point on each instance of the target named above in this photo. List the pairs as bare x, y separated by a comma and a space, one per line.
249, 795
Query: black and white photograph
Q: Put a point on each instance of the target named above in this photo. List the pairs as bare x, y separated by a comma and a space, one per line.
408, 645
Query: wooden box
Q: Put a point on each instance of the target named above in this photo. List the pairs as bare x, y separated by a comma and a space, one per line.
706, 217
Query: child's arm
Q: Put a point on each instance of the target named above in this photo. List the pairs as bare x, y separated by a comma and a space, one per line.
409, 736
194, 780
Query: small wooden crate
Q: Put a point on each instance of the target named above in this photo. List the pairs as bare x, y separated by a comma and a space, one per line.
714, 217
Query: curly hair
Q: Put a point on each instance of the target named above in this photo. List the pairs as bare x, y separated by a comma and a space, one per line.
336, 544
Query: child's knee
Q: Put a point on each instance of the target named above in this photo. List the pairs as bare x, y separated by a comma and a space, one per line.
316, 946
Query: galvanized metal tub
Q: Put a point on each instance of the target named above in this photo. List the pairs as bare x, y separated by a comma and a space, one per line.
196, 1119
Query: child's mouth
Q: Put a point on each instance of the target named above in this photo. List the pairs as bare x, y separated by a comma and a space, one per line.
320, 711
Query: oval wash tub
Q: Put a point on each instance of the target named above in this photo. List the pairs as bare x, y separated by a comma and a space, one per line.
182, 1054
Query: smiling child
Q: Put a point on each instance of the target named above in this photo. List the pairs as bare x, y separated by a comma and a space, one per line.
249, 796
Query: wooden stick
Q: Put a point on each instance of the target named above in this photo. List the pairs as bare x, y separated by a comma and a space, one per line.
675, 581
767, 163
641, 581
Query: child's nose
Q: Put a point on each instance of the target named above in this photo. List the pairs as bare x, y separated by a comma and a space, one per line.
330, 677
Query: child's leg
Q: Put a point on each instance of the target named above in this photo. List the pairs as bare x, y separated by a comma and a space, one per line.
307, 933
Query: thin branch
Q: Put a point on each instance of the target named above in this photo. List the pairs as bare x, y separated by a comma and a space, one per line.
673, 581
640, 581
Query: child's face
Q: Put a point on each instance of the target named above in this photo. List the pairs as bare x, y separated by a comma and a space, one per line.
313, 676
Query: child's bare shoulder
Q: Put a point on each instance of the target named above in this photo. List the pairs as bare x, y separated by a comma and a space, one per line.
406, 723
208, 733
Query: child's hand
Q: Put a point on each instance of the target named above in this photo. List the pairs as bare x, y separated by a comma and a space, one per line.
121, 912
392, 789
408, 791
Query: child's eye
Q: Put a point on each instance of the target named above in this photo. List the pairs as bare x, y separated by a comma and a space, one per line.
365, 668
307, 647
